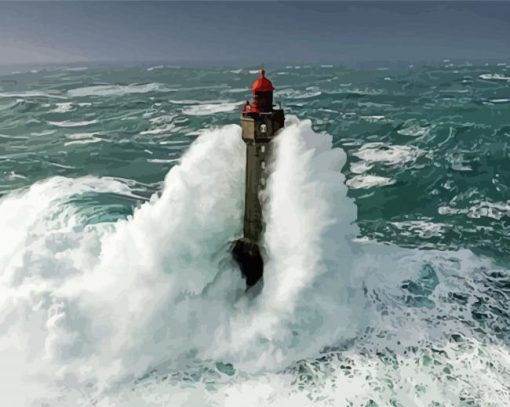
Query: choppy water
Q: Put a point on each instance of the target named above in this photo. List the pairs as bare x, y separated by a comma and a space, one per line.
387, 270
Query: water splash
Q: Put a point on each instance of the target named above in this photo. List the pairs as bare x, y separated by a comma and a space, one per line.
151, 309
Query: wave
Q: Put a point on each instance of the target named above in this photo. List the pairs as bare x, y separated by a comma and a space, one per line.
76, 69
377, 152
494, 210
171, 262
116, 90
421, 228
502, 100
31, 94
63, 107
162, 67
308, 93
494, 77
413, 129
369, 181
373, 118
151, 309
70, 123
82, 138
212, 108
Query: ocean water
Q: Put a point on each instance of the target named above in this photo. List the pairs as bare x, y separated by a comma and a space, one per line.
387, 213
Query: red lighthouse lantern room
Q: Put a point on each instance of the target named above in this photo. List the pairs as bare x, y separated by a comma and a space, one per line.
262, 90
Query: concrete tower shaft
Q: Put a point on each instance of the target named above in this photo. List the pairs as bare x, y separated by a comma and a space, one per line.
258, 130
260, 123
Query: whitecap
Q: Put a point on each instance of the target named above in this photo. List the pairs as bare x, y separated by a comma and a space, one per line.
156, 67
355, 91
494, 77
162, 160
185, 101
70, 123
373, 118
421, 228
160, 67
236, 90
388, 154
208, 109
500, 100
14, 176
116, 90
412, 129
82, 138
369, 181
63, 107
42, 133
12, 137
76, 69
484, 209
299, 94
150, 311
31, 94
360, 167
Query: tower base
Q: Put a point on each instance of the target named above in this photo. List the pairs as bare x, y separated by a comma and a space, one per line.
247, 255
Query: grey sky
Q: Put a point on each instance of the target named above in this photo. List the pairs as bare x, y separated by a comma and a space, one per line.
252, 32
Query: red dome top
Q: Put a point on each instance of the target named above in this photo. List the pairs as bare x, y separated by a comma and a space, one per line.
262, 84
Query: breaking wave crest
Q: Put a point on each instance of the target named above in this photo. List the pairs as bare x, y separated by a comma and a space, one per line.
151, 309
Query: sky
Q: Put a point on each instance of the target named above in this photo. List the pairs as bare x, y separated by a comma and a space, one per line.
252, 33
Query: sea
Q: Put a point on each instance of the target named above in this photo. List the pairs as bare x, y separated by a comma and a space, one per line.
386, 237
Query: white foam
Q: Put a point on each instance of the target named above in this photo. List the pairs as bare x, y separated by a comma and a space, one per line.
355, 91
388, 154
116, 90
161, 67
90, 310
82, 138
76, 69
162, 160
373, 118
307, 211
212, 108
369, 181
144, 259
494, 210
42, 133
360, 167
31, 94
14, 175
308, 93
494, 77
413, 129
185, 102
420, 228
63, 107
70, 123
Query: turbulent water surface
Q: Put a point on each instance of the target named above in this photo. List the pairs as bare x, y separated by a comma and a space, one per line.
387, 214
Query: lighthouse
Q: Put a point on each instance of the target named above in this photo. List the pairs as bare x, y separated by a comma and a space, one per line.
260, 123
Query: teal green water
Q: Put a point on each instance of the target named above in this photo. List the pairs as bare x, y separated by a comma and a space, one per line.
115, 303
438, 135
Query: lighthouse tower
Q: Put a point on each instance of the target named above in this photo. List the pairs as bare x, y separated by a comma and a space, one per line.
260, 123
